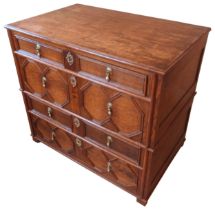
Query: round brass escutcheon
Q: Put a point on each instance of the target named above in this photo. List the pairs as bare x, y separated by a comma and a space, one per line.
76, 122
69, 58
73, 81
78, 142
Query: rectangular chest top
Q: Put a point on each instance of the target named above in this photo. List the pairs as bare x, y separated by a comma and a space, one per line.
145, 42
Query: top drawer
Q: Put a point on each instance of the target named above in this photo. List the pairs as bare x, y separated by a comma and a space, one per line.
48, 52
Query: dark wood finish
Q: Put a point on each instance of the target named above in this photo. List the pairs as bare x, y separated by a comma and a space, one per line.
115, 101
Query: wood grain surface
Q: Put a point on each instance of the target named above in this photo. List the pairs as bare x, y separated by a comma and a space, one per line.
154, 43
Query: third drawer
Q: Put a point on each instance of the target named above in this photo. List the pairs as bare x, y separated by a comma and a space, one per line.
85, 129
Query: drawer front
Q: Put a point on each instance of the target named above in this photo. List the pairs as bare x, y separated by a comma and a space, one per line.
99, 161
52, 114
114, 75
40, 49
111, 109
115, 144
45, 82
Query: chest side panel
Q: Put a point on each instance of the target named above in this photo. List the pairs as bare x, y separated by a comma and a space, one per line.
173, 111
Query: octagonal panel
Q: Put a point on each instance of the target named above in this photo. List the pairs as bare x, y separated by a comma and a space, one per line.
64, 141
126, 115
57, 86
124, 173
33, 75
44, 130
98, 158
95, 102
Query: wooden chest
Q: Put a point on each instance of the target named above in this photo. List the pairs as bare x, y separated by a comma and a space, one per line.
110, 90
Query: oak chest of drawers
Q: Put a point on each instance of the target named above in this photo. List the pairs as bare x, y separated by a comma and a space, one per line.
110, 90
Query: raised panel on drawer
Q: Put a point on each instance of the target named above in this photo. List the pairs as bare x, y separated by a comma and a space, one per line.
125, 116
45, 82
128, 150
117, 76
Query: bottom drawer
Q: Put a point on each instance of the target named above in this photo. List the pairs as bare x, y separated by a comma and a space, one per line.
97, 160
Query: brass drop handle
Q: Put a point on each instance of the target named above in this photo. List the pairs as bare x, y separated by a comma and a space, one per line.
109, 108
109, 167
108, 73
69, 58
53, 135
78, 142
37, 49
109, 141
44, 81
49, 110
